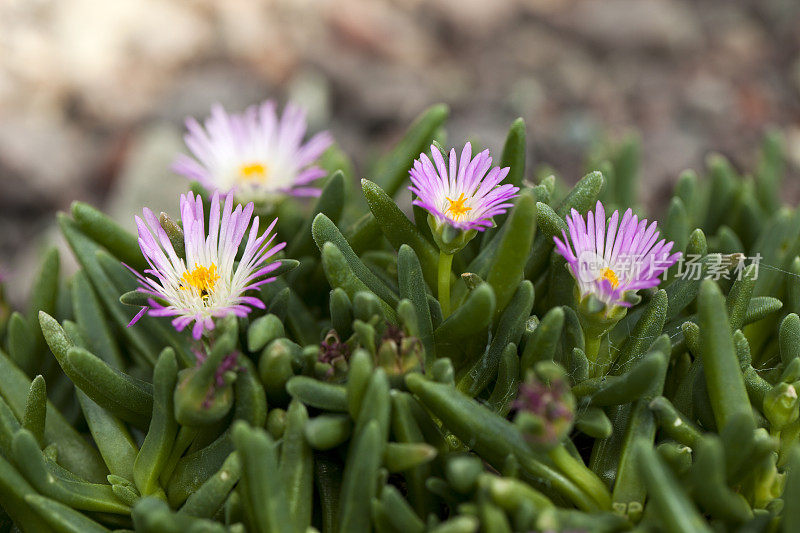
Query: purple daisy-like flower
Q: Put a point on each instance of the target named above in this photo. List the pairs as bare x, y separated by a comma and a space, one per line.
255, 154
461, 194
610, 259
209, 282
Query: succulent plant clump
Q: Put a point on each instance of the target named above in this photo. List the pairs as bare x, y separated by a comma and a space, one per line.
484, 362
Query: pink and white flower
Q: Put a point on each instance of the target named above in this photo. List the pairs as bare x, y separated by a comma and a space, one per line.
209, 282
462, 194
255, 154
611, 258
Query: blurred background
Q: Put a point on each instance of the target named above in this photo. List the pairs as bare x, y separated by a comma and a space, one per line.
93, 93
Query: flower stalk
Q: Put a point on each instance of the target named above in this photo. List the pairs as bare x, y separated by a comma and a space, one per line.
445, 263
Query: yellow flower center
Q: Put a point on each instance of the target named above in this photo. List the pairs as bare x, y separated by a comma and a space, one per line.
457, 209
254, 172
609, 274
201, 279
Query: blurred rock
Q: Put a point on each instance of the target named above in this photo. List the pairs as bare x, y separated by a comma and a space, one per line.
51, 154
793, 145
626, 24
476, 18
795, 74
709, 94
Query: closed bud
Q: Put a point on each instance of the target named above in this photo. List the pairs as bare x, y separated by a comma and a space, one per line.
333, 356
200, 401
398, 354
471, 280
781, 405
204, 394
545, 407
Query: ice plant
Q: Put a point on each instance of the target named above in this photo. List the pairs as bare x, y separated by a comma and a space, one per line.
611, 260
256, 154
209, 282
461, 197
503, 416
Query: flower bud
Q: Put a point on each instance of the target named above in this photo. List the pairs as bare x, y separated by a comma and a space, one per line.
203, 397
471, 280
333, 356
781, 405
398, 354
545, 407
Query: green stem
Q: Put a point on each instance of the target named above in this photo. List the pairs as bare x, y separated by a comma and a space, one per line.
584, 478
445, 263
592, 348
600, 356
592, 343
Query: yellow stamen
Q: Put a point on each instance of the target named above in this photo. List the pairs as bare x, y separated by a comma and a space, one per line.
609, 274
201, 279
254, 172
457, 208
